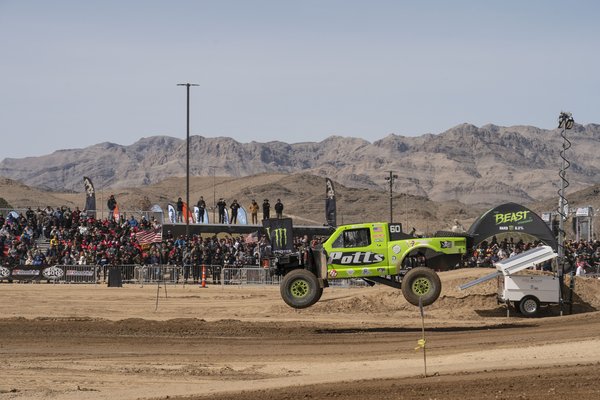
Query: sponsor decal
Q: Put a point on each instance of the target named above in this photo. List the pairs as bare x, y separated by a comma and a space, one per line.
4, 272
396, 249
365, 271
355, 258
394, 258
379, 240
350, 272
381, 270
34, 272
395, 228
412, 243
511, 228
333, 273
72, 272
446, 244
377, 228
53, 273
519, 217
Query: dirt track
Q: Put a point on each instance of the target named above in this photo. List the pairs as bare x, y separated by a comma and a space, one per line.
76, 342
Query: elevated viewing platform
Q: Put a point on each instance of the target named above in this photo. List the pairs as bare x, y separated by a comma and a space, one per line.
178, 229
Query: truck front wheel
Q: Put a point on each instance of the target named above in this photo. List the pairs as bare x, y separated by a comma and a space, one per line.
423, 283
300, 288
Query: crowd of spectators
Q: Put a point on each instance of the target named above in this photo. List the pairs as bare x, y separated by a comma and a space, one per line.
74, 237
585, 253
77, 238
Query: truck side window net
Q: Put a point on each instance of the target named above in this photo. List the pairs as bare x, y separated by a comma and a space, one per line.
353, 238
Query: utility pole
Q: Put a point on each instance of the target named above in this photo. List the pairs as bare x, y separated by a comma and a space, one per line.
187, 160
213, 168
391, 178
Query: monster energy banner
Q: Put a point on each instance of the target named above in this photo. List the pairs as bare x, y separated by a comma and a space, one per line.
511, 218
330, 212
280, 231
90, 197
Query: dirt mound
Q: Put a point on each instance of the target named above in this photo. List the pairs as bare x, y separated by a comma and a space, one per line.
472, 303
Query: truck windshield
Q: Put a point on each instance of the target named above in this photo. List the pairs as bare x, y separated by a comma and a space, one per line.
353, 238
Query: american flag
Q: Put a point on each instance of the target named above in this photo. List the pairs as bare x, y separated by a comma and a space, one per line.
150, 236
251, 238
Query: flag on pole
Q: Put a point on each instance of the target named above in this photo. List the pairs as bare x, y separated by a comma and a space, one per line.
187, 213
90, 197
116, 213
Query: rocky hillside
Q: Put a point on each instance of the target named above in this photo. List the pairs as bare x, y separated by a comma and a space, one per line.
483, 166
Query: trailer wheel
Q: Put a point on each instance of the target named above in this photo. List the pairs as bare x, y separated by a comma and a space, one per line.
421, 282
529, 306
300, 288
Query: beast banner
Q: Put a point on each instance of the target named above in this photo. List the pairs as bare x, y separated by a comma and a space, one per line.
280, 232
511, 218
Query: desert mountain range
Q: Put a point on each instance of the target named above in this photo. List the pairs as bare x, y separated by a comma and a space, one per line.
473, 165
476, 166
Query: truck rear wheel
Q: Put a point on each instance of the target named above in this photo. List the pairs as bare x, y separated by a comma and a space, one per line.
300, 288
423, 283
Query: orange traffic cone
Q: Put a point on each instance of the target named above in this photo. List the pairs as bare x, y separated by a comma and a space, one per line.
203, 276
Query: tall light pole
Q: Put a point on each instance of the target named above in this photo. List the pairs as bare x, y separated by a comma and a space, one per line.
391, 178
187, 160
213, 168
565, 122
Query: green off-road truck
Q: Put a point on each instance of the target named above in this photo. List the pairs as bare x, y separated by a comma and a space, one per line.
376, 252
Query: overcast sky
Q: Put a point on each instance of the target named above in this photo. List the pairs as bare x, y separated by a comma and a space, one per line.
77, 73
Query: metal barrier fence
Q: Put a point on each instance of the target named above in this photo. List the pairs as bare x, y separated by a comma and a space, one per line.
252, 275
127, 272
158, 273
248, 276
78, 273
169, 274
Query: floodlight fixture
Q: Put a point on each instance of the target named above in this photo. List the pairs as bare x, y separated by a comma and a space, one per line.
565, 120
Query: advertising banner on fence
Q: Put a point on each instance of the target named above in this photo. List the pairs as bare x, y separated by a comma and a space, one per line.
279, 231
26, 273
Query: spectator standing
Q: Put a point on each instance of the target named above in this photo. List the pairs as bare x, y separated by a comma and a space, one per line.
254, 211
266, 209
201, 208
580, 264
179, 210
234, 212
111, 204
221, 205
279, 209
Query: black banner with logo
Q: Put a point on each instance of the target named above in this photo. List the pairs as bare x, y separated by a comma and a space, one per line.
90, 197
330, 209
280, 232
26, 273
511, 218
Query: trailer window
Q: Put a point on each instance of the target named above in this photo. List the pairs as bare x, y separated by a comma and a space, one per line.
353, 238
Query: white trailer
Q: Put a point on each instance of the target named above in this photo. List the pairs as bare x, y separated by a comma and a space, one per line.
526, 292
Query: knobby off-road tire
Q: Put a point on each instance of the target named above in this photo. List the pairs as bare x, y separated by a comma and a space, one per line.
423, 283
300, 288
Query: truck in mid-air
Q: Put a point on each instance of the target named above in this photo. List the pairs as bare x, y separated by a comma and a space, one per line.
377, 252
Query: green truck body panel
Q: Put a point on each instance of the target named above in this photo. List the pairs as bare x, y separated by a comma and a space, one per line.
379, 248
